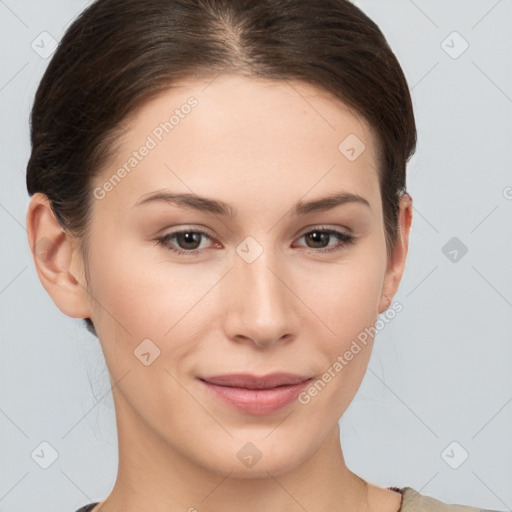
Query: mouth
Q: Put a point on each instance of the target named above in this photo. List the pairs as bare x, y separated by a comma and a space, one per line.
256, 395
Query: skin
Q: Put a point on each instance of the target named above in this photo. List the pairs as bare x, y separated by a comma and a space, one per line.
260, 146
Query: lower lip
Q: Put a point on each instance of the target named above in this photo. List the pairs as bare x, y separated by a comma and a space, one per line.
257, 401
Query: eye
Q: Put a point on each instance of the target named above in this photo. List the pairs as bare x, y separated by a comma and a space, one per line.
188, 241
320, 237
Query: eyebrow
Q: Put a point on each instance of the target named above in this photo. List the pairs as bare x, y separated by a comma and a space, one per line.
208, 205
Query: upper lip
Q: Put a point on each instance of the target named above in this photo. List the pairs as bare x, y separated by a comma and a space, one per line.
248, 381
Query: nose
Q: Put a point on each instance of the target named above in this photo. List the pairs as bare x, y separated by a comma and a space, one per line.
259, 302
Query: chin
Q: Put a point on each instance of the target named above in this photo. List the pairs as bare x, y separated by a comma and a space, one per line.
260, 470
251, 460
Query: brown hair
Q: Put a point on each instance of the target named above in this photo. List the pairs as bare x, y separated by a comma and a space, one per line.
119, 54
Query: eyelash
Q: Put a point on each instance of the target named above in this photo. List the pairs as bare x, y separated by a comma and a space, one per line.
344, 240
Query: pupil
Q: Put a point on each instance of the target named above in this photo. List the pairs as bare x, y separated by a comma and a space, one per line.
189, 238
319, 237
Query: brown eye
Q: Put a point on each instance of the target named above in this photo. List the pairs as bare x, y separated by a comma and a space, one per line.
186, 241
319, 239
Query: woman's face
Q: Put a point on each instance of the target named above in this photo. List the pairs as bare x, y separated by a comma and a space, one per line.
262, 291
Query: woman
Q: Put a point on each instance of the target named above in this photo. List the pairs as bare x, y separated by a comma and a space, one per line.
218, 188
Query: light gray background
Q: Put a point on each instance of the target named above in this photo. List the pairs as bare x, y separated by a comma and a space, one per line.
440, 371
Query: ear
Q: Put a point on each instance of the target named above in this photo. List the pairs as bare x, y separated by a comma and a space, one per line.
396, 263
57, 259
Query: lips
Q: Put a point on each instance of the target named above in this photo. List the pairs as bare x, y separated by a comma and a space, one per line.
256, 395
247, 381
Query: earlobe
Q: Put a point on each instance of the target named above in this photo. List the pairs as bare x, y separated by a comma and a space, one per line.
57, 259
396, 263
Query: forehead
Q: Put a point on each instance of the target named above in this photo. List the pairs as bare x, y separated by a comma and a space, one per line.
244, 141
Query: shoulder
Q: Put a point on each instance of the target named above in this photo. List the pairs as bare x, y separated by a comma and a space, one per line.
413, 501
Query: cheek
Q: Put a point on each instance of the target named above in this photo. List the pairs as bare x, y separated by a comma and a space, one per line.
139, 294
346, 296
347, 303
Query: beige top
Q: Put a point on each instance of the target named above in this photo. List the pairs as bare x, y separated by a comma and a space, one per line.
413, 501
